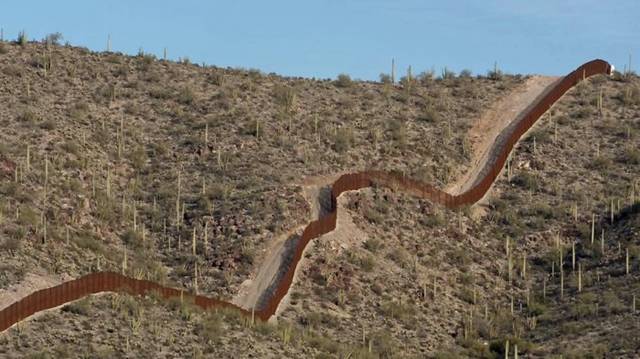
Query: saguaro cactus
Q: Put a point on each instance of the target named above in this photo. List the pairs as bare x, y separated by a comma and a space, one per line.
193, 242
573, 255
195, 278
579, 277
593, 227
393, 71
178, 201
627, 267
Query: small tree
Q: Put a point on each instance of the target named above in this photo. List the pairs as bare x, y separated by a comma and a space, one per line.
53, 39
496, 73
465, 74
385, 78
344, 80
22, 38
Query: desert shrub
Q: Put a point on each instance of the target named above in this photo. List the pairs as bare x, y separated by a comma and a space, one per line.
186, 96
22, 38
79, 111
536, 309
367, 263
629, 95
3, 48
343, 81
80, 307
113, 58
426, 77
132, 238
28, 217
373, 244
343, 139
474, 348
211, 327
255, 74
323, 344
383, 344
581, 310
53, 38
73, 185
138, 157
582, 112
11, 244
133, 109
527, 181
9, 189
448, 74
597, 351
28, 117
87, 241
584, 230
146, 61
465, 74
398, 133
158, 149
105, 93
317, 320
497, 345
48, 125
495, 74
570, 328
284, 96
429, 115
562, 120
397, 310
433, 220
12, 70
611, 303
542, 210
385, 78
466, 295
160, 93
541, 136
447, 355
373, 216
630, 155
600, 163
70, 147
400, 256
406, 83
265, 328
460, 257
216, 78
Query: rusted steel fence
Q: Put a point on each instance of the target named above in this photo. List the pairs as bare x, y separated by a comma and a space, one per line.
114, 282
96, 283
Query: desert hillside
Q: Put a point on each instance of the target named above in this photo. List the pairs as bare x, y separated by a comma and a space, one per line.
188, 175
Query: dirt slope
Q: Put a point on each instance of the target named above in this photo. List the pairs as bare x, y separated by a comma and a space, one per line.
484, 133
254, 290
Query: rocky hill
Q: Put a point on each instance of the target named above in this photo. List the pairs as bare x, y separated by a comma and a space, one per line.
155, 168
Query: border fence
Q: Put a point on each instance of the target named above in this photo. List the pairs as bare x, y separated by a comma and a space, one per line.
113, 282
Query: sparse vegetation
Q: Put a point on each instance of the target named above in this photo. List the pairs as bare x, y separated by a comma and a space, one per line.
344, 81
123, 163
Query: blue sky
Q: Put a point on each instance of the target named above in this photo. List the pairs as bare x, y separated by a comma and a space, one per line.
324, 38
